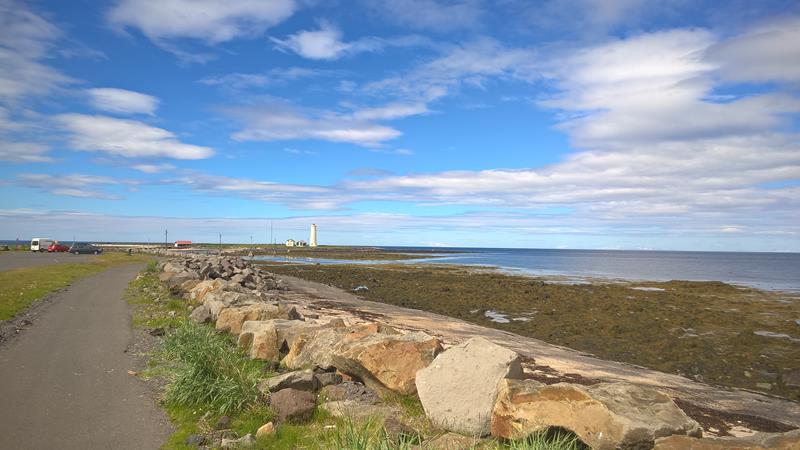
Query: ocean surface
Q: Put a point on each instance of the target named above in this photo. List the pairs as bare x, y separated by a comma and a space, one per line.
772, 271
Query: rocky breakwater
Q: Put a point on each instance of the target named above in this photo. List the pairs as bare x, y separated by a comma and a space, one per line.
346, 364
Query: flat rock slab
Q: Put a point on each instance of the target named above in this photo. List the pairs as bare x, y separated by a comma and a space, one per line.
458, 389
65, 382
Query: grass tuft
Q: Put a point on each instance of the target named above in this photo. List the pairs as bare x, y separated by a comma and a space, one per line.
209, 372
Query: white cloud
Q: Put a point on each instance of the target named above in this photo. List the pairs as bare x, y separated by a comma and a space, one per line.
128, 138
766, 52
272, 77
73, 185
23, 152
153, 168
122, 101
326, 43
436, 15
207, 20
278, 121
474, 64
391, 111
25, 39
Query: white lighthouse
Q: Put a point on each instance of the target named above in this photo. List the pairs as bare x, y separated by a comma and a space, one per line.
312, 238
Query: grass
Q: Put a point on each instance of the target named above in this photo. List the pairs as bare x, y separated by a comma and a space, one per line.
209, 372
22, 287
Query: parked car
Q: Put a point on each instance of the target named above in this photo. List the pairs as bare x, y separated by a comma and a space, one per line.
83, 248
57, 248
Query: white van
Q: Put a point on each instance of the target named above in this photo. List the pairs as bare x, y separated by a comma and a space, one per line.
40, 244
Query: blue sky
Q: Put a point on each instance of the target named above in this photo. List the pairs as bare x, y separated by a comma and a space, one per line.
630, 124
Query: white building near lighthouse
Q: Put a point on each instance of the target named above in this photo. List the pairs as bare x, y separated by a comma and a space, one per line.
312, 238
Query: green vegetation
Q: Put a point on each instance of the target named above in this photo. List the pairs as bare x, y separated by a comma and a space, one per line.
21, 287
209, 372
206, 376
702, 330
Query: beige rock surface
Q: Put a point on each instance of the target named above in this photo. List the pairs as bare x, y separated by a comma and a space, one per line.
459, 388
605, 416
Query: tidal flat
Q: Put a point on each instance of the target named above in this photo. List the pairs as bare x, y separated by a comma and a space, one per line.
708, 331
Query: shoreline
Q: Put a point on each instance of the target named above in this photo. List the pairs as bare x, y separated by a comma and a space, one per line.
707, 331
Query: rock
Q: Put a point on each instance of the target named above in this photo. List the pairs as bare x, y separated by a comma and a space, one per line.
265, 430
266, 338
175, 281
291, 405
758, 441
359, 411
201, 314
604, 416
459, 388
328, 378
350, 391
302, 380
396, 428
223, 423
313, 348
195, 440
792, 379
202, 288
387, 361
246, 441
187, 286
231, 319
157, 331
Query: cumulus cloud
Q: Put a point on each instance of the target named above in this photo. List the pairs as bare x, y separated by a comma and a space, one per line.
128, 138
207, 20
122, 101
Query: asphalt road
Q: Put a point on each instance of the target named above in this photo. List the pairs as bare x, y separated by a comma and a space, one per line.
64, 382
16, 260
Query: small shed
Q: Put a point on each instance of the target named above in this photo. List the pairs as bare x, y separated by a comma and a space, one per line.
183, 244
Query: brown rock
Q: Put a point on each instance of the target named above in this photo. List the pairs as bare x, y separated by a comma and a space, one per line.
604, 416
291, 405
759, 441
264, 339
232, 319
387, 361
265, 430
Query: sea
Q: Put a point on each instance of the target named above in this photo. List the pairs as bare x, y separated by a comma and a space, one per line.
770, 271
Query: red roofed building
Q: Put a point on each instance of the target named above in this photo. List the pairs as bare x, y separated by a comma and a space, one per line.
183, 244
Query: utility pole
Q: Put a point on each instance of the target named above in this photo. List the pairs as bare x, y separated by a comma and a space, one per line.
166, 241
220, 244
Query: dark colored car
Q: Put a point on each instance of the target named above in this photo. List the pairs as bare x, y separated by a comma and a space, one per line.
82, 248
57, 248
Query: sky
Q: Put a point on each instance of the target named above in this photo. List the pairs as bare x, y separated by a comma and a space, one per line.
609, 124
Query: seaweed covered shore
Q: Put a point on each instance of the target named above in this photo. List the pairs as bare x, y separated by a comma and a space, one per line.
707, 331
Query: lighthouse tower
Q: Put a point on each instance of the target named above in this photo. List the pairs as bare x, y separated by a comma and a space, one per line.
312, 238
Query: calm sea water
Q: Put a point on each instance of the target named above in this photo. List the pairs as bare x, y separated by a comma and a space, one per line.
774, 271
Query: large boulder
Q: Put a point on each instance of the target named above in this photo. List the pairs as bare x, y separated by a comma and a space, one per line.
314, 345
218, 300
605, 416
291, 405
231, 319
350, 391
201, 314
387, 362
202, 288
758, 441
459, 388
265, 339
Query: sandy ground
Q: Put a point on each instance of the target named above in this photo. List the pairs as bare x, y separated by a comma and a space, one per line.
743, 410
65, 381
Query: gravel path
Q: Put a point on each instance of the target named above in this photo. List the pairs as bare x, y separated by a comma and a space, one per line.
65, 381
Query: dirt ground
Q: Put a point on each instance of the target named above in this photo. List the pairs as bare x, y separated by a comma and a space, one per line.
707, 331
